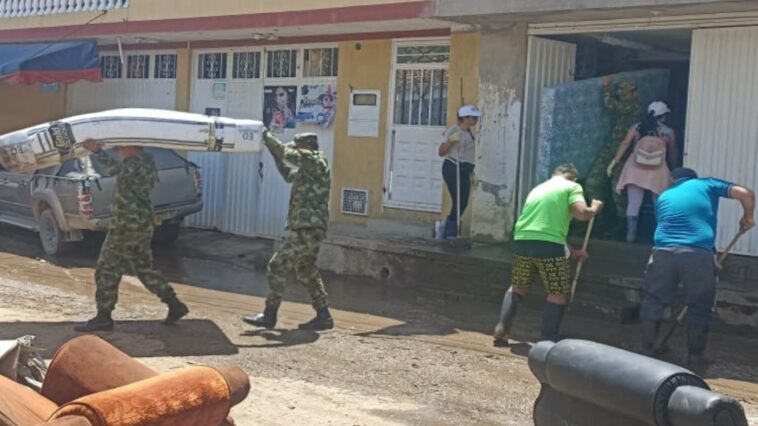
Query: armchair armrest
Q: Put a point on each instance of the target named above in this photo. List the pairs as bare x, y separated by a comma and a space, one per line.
195, 396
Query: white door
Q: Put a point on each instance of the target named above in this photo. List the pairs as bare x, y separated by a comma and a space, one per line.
419, 115
549, 63
145, 80
722, 128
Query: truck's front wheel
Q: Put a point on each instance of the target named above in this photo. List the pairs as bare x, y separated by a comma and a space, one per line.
50, 234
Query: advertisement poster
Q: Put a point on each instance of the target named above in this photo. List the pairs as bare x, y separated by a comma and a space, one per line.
317, 104
279, 107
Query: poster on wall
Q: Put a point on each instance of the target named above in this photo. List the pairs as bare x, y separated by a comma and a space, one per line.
278, 107
317, 105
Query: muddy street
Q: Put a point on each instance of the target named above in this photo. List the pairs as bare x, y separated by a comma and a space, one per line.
396, 357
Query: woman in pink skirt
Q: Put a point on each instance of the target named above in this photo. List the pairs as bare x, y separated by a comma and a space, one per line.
646, 169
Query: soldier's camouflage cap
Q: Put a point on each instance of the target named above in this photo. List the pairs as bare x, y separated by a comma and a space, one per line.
307, 138
626, 86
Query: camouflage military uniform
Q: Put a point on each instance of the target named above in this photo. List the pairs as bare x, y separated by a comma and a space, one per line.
127, 246
307, 219
625, 114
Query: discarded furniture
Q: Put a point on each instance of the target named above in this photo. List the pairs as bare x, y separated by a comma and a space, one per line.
91, 383
589, 384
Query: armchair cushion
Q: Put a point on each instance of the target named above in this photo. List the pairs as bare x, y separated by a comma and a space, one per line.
22, 406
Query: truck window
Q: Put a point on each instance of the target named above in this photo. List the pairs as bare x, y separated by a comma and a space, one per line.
165, 159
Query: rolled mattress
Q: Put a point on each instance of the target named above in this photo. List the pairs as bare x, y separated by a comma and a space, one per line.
48, 144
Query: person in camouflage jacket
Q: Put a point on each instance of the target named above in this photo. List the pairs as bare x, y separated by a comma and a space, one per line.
624, 111
127, 246
307, 222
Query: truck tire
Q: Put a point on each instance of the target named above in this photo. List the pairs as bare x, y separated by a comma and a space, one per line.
51, 235
167, 233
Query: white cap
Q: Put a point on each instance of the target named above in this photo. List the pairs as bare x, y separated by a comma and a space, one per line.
469, 111
658, 108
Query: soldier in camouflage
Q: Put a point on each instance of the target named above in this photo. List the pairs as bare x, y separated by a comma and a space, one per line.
624, 111
127, 246
307, 222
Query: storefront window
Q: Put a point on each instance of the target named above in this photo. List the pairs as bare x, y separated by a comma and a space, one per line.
320, 62
110, 66
212, 66
423, 54
281, 64
138, 66
247, 65
165, 66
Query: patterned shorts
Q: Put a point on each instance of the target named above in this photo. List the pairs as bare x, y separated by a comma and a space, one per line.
553, 271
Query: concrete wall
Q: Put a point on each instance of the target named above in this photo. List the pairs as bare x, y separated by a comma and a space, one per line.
146, 10
25, 106
457, 8
502, 73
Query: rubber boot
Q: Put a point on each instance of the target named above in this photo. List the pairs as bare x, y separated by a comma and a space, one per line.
631, 228
451, 229
551, 321
697, 340
323, 321
267, 319
176, 311
508, 311
102, 322
650, 331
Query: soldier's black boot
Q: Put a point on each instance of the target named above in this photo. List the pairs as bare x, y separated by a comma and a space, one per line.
508, 311
552, 317
101, 322
176, 311
267, 319
323, 321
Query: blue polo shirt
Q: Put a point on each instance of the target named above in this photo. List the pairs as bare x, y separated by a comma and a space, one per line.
687, 213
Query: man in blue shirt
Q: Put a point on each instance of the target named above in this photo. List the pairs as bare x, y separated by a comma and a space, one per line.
684, 251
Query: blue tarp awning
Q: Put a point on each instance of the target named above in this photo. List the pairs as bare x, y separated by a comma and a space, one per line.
64, 62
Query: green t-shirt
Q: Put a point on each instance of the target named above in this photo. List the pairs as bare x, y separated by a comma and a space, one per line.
547, 212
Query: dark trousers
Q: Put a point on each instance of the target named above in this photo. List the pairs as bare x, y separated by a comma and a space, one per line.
695, 269
449, 174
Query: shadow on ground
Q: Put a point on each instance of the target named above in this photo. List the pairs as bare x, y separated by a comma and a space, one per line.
137, 338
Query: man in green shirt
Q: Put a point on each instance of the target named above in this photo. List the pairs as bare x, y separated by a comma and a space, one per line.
540, 249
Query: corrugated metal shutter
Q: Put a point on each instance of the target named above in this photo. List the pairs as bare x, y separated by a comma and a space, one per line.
549, 63
214, 195
722, 118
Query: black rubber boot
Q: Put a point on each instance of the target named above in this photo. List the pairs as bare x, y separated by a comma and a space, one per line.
650, 331
323, 321
697, 340
508, 311
267, 319
101, 322
176, 311
551, 321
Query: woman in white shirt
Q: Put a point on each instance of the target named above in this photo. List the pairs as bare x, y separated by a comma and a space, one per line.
459, 150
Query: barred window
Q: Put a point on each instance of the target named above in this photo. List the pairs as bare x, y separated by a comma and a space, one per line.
320, 62
110, 66
165, 66
138, 66
211, 66
246, 65
421, 97
281, 63
423, 54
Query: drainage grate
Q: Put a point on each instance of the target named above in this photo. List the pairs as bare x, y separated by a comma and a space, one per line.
355, 201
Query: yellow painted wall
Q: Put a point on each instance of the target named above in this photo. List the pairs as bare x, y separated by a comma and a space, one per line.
145, 10
25, 106
183, 79
360, 162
